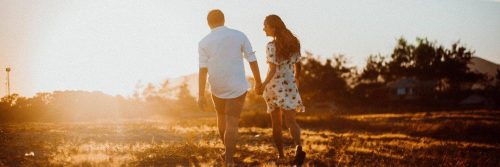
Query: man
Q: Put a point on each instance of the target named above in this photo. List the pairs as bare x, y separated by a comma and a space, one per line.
221, 55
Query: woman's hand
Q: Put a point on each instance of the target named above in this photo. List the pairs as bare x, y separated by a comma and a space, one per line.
297, 82
297, 68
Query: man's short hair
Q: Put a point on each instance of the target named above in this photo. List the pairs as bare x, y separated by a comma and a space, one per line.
215, 16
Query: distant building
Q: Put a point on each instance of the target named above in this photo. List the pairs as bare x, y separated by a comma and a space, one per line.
409, 88
477, 101
403, 89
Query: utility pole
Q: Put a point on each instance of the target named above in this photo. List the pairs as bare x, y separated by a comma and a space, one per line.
8, 81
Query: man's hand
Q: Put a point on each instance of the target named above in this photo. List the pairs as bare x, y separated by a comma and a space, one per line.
256, 74
202, 102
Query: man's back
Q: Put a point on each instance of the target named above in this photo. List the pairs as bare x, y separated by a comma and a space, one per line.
222, 52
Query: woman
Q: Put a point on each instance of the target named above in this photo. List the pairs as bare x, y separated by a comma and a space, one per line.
281, 84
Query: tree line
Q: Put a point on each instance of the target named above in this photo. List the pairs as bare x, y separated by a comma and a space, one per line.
441, 74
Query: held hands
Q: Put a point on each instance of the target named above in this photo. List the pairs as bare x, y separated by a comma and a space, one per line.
259, 88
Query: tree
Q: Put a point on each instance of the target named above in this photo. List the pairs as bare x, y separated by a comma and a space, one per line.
185, 101
428, 62
165, 91
401, 60
324, 82
375, 68
456, 69
370, 88
150, 93
424, 61
9, 100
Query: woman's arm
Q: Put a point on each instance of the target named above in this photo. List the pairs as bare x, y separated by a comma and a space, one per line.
297, 68
270, 74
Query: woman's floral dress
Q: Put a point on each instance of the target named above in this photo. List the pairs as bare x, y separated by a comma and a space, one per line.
281, 91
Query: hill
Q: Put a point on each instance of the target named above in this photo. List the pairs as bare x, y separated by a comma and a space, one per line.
484, 66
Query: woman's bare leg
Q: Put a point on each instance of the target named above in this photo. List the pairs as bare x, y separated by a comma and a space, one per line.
293, 126
277, 131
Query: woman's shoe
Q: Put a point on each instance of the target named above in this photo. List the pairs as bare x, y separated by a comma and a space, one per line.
299, 156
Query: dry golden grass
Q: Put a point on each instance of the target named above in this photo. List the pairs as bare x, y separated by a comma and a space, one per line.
349, 140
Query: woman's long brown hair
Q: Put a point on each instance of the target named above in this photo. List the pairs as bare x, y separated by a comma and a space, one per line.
286, 43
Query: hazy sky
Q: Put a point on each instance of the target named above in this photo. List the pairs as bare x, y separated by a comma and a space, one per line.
110, 45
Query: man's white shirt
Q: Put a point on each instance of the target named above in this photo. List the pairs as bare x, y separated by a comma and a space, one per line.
222, 52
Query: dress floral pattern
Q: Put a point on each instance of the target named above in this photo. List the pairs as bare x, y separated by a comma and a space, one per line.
282, 91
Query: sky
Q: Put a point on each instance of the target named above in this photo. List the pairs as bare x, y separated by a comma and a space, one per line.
112, 45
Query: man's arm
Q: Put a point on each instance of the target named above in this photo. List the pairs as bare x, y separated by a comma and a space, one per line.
256, 75
202, 78
249, 55
202, 75
202, 81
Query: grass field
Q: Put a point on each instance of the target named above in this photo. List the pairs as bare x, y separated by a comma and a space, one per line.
447, 138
